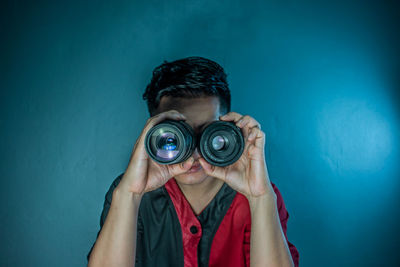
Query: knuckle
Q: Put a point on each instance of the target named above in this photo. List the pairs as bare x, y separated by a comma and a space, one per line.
252, 120
233, 114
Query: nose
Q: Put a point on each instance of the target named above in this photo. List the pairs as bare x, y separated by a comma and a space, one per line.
196, 154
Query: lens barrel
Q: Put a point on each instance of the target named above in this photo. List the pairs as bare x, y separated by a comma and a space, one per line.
221, 143
170, 142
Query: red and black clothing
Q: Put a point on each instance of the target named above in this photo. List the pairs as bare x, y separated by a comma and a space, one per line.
170, 234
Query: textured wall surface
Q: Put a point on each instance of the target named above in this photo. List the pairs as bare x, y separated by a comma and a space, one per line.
322, 78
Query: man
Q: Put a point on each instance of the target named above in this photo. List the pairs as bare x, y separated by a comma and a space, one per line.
193, 213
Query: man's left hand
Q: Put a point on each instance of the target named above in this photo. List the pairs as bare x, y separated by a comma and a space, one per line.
249, 174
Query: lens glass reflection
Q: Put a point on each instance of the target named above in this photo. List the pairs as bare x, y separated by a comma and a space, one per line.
166, 145
218, 142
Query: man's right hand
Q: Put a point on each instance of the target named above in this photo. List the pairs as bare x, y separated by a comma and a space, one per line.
143, 174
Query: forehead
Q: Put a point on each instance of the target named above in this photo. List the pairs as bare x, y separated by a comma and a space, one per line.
198, 110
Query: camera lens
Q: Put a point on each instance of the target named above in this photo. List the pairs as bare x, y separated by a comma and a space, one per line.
170, 142
221, 143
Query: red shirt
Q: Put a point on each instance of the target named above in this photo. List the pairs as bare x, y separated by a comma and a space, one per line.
169, 234
231, 243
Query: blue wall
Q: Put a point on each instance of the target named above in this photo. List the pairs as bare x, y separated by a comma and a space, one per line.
321, 77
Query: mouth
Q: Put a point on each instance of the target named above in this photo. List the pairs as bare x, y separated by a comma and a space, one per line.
195, 168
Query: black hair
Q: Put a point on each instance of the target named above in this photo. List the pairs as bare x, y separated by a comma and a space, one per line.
188, 77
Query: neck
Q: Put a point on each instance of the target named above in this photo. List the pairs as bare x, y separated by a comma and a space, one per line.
203, 192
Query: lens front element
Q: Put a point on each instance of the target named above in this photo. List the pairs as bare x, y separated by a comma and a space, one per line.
221, 143
166, 146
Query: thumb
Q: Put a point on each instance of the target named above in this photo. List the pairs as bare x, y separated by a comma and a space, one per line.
211, 170
179, 168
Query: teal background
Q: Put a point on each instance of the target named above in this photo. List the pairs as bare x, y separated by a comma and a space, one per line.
322, 78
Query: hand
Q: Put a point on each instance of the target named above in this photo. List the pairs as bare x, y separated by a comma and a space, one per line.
249, 174
143, 174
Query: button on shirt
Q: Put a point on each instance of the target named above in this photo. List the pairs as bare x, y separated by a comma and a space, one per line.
170, 234
193, 229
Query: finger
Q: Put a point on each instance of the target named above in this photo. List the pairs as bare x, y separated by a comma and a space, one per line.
139, 144
152, 121
211, 170
253, 133
260, 139
248, 121
257, 136
235, 117
231, 116
170, 114
179, 168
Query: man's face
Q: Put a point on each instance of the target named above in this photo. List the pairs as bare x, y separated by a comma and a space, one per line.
198, 112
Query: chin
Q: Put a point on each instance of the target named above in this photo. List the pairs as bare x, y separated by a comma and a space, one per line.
191, 178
